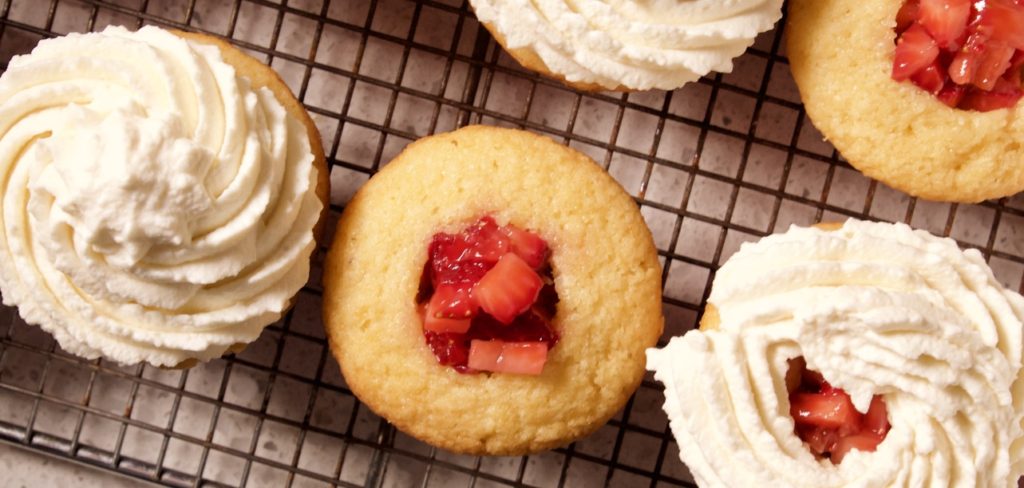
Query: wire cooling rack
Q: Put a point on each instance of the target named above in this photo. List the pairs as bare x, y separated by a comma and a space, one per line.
719, 162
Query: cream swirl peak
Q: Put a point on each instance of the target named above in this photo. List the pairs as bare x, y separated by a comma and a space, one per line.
635, 45
155, 206
878, 309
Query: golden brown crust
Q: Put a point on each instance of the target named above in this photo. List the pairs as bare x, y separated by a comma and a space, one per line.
841, 55
604, 264
261, 75
531, 61
711, 319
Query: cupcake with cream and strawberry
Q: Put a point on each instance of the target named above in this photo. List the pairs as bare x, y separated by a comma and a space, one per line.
923, 95
862, 354
492, 292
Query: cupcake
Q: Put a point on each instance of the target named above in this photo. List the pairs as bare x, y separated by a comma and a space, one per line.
922, 95
161, 194
862, 354
492, 292
628, 45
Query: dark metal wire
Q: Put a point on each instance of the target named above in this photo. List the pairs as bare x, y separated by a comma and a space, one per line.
473, 51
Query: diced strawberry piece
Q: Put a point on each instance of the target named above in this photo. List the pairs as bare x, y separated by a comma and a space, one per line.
861, 442
951, 94
508, 357
1004, 19
915, 50
964, 65
450, 349
876, 420
508, 289
452, 302
484, 355
820, 440
945, 20
450, 309
830, 410
932, 78
1003, 95
908, 15
992, 64
523, 358
486, 242
527, 245
447, 263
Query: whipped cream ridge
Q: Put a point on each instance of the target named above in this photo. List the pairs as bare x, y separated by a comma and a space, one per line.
637, 45
154, 206
878, 309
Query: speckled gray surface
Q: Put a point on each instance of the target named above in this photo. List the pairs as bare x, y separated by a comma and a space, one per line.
22, 468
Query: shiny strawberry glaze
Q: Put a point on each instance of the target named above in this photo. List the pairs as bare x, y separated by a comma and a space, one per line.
456, 268
970, 55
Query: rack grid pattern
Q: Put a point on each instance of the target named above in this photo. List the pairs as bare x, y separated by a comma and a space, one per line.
720, 162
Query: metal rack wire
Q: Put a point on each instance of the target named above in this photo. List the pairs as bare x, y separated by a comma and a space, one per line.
717, 163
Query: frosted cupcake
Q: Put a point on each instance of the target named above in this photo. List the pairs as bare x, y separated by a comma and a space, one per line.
159, 197
627, 45
867, 354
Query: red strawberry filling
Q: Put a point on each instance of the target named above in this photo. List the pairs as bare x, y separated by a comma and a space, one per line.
487, 299
970, 55
825, 417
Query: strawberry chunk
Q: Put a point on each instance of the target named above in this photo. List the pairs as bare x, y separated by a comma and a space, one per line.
484, 355
945, 20
452, 302
450, 349
508, 357
909, 13
526, 245
876, 420
1003, 95
915, 50
931, 79
861, 442
992, 64
951, 94
819, 439
1004, 19
830, 410
508, 289
450, 310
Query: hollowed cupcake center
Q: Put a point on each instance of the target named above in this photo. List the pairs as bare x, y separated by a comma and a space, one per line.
487, 298
826, 419
968, 54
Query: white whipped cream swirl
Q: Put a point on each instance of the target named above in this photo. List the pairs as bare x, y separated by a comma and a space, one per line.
877, 309
633, 44
154, 207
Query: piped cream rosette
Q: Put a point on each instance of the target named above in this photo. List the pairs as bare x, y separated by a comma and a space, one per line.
627, 44
878, 309
155, 206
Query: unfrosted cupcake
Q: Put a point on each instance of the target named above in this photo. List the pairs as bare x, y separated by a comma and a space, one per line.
491, 291
627, 45
160, 197
863, 354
